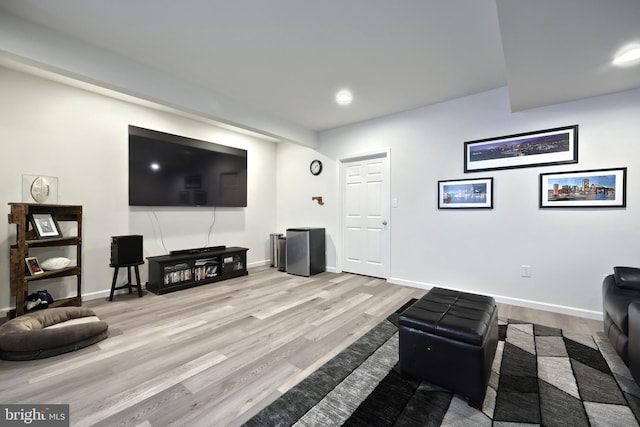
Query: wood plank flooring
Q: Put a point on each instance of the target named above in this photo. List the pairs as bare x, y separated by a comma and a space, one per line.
216, 354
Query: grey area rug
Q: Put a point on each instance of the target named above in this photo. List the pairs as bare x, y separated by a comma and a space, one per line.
541, 376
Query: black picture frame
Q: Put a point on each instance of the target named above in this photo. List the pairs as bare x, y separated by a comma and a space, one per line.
538, 148
595, 188
45, 226
474, 193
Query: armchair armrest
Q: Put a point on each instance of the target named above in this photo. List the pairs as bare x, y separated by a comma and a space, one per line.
634, 340
608, 285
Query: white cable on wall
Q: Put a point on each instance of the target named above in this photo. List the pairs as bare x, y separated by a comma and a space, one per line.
159, 231
213, 222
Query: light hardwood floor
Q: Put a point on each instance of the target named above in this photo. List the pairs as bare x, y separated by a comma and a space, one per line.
216, 354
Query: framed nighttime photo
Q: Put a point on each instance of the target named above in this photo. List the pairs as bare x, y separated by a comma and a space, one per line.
539, 148
601, 188
33, 266
466, 194
45, 226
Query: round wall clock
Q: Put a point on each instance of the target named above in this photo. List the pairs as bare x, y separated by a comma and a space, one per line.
315, 167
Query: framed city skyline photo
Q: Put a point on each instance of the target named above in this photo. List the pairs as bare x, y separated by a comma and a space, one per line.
538, 148
600, 188
466, 194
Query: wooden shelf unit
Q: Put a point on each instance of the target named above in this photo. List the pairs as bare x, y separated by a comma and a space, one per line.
26, 239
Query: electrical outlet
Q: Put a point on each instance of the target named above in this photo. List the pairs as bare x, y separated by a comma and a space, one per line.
525, 270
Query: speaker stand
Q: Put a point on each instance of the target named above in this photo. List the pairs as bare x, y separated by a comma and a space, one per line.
129, 285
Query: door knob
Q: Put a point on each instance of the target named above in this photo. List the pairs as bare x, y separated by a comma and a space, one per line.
384, 222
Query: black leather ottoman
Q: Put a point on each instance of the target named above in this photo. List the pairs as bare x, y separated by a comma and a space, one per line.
449, 339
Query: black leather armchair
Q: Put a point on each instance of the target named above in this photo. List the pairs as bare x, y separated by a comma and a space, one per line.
621, 315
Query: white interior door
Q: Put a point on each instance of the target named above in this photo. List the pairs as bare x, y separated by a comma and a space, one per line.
365, 214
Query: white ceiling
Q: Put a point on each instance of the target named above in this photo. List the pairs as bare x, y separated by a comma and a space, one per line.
288, 58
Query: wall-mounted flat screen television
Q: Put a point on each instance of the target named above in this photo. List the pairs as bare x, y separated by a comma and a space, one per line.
172, 170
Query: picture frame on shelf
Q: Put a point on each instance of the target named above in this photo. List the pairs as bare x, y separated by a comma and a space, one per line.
538, 148
596, 188
45, 226
33, 266
466, 194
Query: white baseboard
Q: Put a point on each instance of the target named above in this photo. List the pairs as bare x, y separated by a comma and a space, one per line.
101, 294
537, 305
105, 292
85, 297
266, 262
410, 283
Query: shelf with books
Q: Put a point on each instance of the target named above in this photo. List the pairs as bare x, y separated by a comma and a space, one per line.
168, 273
206, 268
177, 273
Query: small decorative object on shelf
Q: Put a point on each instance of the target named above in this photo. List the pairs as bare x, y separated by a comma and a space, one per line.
39, 189
33, 267
45, 226
55, 263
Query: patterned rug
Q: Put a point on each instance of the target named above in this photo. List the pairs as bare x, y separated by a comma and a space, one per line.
540, 376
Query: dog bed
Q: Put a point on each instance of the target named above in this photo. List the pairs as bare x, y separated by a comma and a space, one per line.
50, 332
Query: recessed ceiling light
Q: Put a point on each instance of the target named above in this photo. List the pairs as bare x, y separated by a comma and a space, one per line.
627, 56
344, 97
155, 166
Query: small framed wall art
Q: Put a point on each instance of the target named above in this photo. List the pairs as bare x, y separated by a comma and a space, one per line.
538, 148
466, 194
599, 188
45, 226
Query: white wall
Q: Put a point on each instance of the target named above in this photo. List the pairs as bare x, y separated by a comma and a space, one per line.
296, 186
48, 128
481, 251
51, 129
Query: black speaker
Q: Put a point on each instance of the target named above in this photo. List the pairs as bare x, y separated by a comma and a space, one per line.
126, 250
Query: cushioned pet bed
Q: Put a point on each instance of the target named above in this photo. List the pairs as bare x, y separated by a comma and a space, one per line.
50, 332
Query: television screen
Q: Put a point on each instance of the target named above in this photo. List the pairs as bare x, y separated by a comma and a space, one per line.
172, 170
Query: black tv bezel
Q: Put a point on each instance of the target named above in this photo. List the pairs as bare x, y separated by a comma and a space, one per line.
179, 140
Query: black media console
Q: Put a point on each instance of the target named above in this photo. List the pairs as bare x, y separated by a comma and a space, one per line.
194, 267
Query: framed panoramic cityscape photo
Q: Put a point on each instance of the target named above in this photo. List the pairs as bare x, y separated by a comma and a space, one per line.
538, 148
600, 188
466, 194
